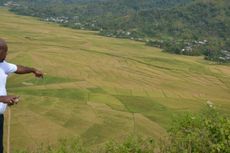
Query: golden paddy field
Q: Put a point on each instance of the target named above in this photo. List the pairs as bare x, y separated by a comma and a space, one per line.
100, 88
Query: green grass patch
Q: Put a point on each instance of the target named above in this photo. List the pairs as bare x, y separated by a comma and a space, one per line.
96, 90
25, 81
74, 94
109, 100
149, 107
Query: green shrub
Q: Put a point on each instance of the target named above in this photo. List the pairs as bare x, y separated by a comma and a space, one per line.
73, 145
208, 132
130, 145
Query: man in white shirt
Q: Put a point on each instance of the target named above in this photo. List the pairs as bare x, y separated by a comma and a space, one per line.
5, 69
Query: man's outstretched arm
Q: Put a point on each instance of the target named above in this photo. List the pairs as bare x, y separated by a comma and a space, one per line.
24, 70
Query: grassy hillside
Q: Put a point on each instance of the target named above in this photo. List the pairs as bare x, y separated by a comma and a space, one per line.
188, 27
101, 88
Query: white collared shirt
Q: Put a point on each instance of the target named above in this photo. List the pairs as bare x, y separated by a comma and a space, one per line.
5, 69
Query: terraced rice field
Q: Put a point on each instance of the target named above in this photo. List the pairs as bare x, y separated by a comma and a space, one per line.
101, 88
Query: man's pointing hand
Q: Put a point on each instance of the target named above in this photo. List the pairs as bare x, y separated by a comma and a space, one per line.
38, 74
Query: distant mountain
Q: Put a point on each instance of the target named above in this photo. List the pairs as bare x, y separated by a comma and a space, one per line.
174, 25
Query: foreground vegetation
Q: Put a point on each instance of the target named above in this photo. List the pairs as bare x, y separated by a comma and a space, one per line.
206, 132
99, 88
177, 24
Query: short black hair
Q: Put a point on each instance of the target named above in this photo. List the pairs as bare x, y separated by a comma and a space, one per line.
3, 45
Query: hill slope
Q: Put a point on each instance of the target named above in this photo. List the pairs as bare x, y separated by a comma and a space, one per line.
175, 22
101, 88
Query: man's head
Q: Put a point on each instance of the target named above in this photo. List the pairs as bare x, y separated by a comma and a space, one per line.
3, 50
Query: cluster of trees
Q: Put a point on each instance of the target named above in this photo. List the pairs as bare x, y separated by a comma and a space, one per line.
166, 20
213, 50
203, 133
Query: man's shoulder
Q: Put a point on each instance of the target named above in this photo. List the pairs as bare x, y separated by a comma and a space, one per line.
5, 63
8, 67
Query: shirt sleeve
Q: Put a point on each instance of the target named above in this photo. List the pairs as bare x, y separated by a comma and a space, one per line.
10, 68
